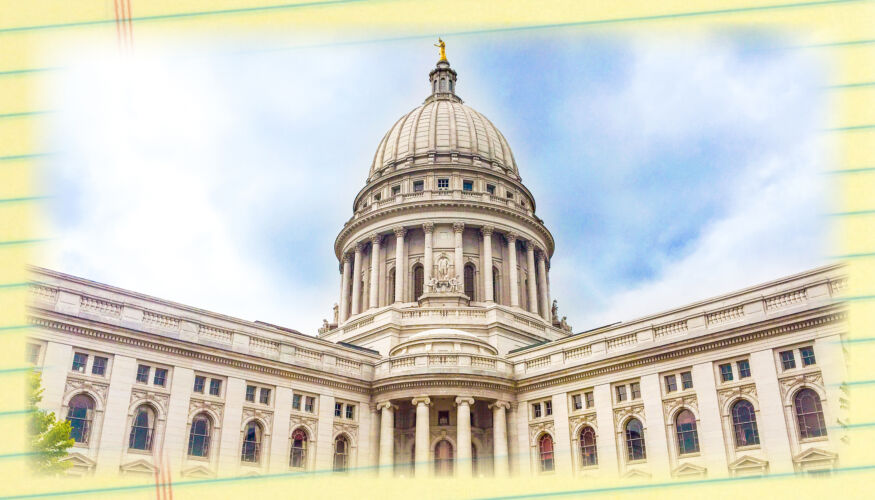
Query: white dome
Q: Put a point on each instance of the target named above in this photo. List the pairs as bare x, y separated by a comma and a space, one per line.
443, 127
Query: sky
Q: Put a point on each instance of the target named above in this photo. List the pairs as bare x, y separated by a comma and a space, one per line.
669, 168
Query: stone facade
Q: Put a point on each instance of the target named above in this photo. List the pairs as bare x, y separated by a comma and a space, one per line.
446, 353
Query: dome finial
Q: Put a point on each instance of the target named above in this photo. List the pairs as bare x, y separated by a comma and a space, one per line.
443, 48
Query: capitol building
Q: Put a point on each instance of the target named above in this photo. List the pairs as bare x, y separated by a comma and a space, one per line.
446, 354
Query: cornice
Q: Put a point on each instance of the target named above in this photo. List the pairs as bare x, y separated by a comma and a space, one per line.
237, 360
548, 380
354, 224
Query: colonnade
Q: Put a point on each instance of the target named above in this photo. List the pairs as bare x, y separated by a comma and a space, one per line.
422, 437
538, 293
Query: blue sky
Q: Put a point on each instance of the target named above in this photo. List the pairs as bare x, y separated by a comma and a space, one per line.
669, 168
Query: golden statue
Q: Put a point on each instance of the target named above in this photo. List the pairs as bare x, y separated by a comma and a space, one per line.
443, 48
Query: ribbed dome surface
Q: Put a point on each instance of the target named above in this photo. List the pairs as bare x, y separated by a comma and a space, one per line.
444, 126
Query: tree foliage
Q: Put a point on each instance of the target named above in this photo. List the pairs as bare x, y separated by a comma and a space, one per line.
49, 438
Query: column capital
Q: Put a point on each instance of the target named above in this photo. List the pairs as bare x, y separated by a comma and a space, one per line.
458, 227
399, 231
375, 238
464, 400
540, 253
421, 399
499, 404
386, 405
511, 236
346, 257
487, 230
428, 227
359, 246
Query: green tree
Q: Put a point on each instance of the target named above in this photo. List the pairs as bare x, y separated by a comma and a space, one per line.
49, 438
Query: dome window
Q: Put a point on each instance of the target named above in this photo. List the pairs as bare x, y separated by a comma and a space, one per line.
377, 196
509, 195
396, 190
467, 185
418, 186
443, 184
490, 189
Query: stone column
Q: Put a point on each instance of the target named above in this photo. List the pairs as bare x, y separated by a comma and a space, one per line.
400, 264
387, 438
428, 227
533, 284
486, 270
458, 228
514, 281
421, 460
542, 284
374, 438
373, 301
344, 292
499, 438
357, 280
463, 436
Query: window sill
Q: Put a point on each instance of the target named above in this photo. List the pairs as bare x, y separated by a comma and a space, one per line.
747, 447
198, 459
637, 462
813, 439
139, 452
690, 455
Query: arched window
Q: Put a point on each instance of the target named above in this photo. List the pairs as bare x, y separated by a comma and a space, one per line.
418, 281
809, 414
496, 285
142, 428
443, 84
80, 414
451, 85
341, 454
199, 436
744, 423
588, 452
635, 440
443, 458
251, 451
688, 437
469, 281
390, 288
434, 85
545, 451
298, 456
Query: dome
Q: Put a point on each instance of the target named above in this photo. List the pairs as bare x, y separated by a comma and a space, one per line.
443, 126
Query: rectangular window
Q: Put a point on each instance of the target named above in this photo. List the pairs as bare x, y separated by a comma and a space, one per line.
621, 393
143, 374
99, 366
250, 393
536, 410
33, 353
548, 408
636, 390
577, 401
671, 384
215, 387
338, 410
686, 380
296, 402
79, 362
350, 412
199, 384
310, 404
490, 189
467, 185
788, 361
443, 184
726, 372
590, 400
264, 396
807, 354
509, 195
418, 186
378, 196
160, 377
443, 418
743, 368
396, 190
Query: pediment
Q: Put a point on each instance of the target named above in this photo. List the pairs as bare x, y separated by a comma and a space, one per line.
141, 466
636, 474
815, 455
687, 470
79, 460
748, 462
198, 471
